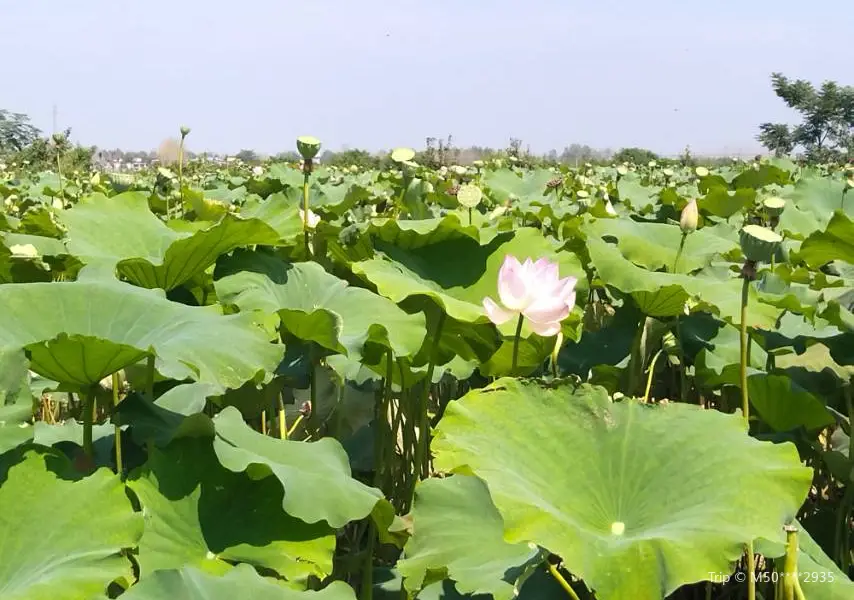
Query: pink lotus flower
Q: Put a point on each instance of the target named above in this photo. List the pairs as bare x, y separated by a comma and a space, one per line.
535, 291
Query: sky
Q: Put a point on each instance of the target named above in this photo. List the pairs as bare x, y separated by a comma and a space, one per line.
255, 74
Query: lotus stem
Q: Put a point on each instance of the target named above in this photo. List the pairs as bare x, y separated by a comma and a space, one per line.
650, 374
562, 581
368, 570
305, 195
149, 378
679, 252
423, 444
683, 365
263, 422
516, 344
88, 421
747, 276
556, 353
283, 419
293, 428
118, 430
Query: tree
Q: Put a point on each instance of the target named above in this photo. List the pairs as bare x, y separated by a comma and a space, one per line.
16, 132
827, 130
247, 156
638, 156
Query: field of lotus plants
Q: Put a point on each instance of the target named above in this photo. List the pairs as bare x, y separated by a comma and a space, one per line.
295, 381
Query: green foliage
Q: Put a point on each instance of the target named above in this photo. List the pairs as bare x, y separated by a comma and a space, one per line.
638, 156
827, 130
16, 132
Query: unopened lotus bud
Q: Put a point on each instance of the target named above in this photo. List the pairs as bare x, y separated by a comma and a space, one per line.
308, 146
690, 218
774, 206
759, 243
185, 131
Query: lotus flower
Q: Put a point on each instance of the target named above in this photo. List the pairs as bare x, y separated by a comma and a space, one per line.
535, 291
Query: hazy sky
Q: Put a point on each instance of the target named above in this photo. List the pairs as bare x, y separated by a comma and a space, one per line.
256, 73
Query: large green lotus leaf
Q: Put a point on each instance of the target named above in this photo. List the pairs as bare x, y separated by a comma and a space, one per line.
834, 243
177, 413
456, 527
62, 537
316, 306
784, 404
201, 514
280, 211
505, 184
724, 203
718, 361
315, 476
661, 294
71, 432
409, 234
637, 499
819, 196
634, 243
336, 198
459, 286
121, 231
240, 582
634, 194
44, 246
80, 332
15, 417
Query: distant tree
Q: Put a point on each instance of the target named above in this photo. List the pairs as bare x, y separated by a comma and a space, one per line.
247, 156
827, 130
638, 156
41, 153
288, 156
16, 132
361, 158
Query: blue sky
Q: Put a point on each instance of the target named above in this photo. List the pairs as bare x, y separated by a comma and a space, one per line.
363, 73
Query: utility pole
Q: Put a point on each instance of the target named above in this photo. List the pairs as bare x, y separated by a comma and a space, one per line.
54, 118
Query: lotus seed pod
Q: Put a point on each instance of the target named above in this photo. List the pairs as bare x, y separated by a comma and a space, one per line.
759, 243
652, 164
308, 146
58, 138
185, 131
849, 183
701, 172
477, 163
458, 170
774, 206
668, 172
402, 155
469, 195
690, 218
554, 183
622, 170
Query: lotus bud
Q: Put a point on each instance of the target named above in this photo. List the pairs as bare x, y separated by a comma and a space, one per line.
774, 206
759, 243
690, 218
308, 146
185, 131
609, 208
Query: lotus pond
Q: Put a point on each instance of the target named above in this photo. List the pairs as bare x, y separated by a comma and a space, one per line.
624, 383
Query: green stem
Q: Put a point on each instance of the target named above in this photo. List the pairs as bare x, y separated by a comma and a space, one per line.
516, 344
381, 418
745, 409
556, 353
368, 570
59, 172
469, 216
563, 582
88, 421
180, 176
683, 366
423, 445
293, 428
283, 419
649, 376
118, 430
149, 378
305, 195
743, 340
679, 252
